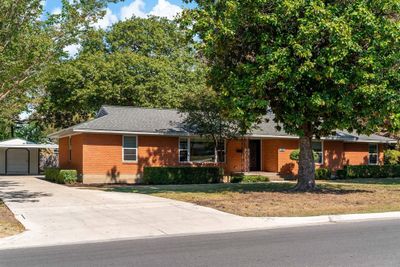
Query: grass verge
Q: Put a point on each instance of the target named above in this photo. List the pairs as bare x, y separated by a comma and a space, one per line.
9, 225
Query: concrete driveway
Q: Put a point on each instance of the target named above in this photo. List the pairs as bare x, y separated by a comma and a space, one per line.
56, 214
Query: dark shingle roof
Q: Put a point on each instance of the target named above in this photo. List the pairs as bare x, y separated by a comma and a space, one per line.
169, 122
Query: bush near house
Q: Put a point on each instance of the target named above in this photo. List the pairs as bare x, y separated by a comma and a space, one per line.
323, 174
372, 171
182, 175
241, 178
391, 157
60, 176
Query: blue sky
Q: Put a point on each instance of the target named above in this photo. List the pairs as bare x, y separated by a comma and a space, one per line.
127, 8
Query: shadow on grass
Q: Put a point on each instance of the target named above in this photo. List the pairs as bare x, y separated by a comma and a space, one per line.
378, 181
238, 188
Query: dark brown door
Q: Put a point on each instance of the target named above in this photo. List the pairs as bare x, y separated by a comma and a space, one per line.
255, 155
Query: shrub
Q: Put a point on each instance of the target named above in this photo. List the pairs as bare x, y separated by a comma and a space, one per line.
341, 174
295, 154
182, 175
59, 176
51, 174
67, 177
392, 157
241, 178
323, 174
373, 171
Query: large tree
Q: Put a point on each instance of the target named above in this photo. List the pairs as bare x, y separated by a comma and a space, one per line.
138, 62
31, 41
320, 65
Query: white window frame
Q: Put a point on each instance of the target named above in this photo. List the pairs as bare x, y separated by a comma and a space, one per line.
123, 149
377, 154
322, 151
187, 149
188, 152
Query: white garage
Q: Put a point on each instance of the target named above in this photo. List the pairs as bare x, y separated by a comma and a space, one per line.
20, 157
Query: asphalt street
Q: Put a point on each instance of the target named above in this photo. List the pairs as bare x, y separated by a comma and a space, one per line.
374, 243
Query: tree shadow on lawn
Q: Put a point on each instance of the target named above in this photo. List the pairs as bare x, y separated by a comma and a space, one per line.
377, 181
286, 188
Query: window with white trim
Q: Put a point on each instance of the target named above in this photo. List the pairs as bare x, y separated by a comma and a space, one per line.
318, 149
184, 149
373, 154
196, 149
129, 148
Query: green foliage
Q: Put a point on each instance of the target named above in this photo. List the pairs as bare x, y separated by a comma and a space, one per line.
67, 177
323, 174
392, 157
31, 41
137, 62
294, 155
241, 178
317, 65
60, 176
182, 175
372, 171
341, 174
51, 174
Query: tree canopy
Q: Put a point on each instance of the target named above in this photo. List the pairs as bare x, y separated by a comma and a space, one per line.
319, 65
137, 62
31, 41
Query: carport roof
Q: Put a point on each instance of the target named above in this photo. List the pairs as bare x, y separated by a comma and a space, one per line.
21, 143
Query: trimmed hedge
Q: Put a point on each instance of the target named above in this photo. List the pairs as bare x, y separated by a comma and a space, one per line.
182, 175
59, 176
241, 178
323, 174
372, 171
341, 174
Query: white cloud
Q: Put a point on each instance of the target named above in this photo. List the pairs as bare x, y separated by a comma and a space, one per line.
136, 8
108, 19
72, 50
56, 11
165, 9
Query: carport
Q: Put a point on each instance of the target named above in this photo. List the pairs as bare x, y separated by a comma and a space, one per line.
18, 156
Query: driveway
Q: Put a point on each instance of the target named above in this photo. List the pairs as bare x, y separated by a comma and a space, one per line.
56, 214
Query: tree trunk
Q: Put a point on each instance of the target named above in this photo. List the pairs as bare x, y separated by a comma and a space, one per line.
306, 177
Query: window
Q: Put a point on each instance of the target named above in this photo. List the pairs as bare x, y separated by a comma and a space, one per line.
183, 149
200, 150
69, 148
129, 148
317, 148
373, 154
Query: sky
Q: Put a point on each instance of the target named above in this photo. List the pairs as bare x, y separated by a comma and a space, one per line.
124, 10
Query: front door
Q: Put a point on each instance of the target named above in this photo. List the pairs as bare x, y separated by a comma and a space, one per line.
255, 155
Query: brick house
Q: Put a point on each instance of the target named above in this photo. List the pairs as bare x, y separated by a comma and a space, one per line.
121, 141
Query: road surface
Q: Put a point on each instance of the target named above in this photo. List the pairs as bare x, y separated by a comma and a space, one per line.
374, 243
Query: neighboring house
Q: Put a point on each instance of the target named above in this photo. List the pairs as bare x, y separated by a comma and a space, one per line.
121, 141
18, 156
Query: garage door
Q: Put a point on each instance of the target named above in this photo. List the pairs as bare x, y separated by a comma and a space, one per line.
17, 161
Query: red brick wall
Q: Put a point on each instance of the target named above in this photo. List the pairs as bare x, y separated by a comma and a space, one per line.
333, 154
76, 161
101, 154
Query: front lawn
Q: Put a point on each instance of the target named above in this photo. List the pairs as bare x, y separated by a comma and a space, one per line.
276, 199
8, 224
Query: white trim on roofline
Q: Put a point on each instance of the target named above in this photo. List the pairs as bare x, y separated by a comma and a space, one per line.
77, 131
